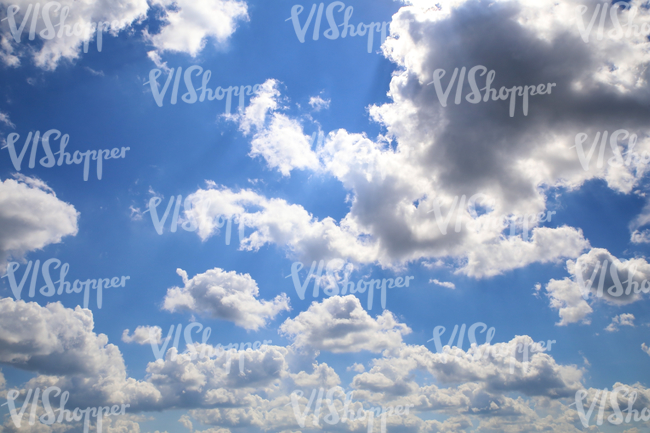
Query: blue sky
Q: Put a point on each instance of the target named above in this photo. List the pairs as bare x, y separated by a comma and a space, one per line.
361, 196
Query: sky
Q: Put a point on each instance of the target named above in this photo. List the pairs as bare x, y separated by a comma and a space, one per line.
363, 160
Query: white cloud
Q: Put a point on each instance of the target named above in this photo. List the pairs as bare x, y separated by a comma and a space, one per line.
565, 296
491, 366
4, 118
318, 103
7, 53
339, 324
224, 295
30, 334
186, 27
57, 339
620, 320
277, 222
120, 14
589, 281
279, 139
59, 343
136, 213
143, 335
359, 368
31, 217
645, 348
94, 72
643, 219
189, 24
640, 237
443, 283
157, 60
442, 153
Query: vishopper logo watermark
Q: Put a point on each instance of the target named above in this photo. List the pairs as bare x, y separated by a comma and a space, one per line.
617, 417
48, 161
191, 97
617, 32
333, 417
616, 290
475, 96
191, 224
48, 32
332, 280
631, 157
333, 31
207, 351
484, 351
64, 414
49, 289
457, 206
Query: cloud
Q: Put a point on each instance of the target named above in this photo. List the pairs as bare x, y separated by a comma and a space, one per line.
339, 324
186, 26
187, 382
7, 56
622, 320
189, 24
59, 344
433, 154
566, 297
318, 103
52, 339
278, 138
4, 118
288, 225
496, 368
136, 213
94, 72
275, 221
359, 368
224, 295
47, 54
443, 284
31, 217
645, 348
430, 153
643, 219
640, 237
143, 335
600, 277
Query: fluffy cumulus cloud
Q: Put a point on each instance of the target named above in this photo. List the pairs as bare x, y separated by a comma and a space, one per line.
414, 193
620, 320
189, 24
275, 221
186, 26
443, 153
520, 365
115, 16
449, 159
224, 295
278, 139
143, 335
598, 276
60, 345
254, 389
32, 217
339, 324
